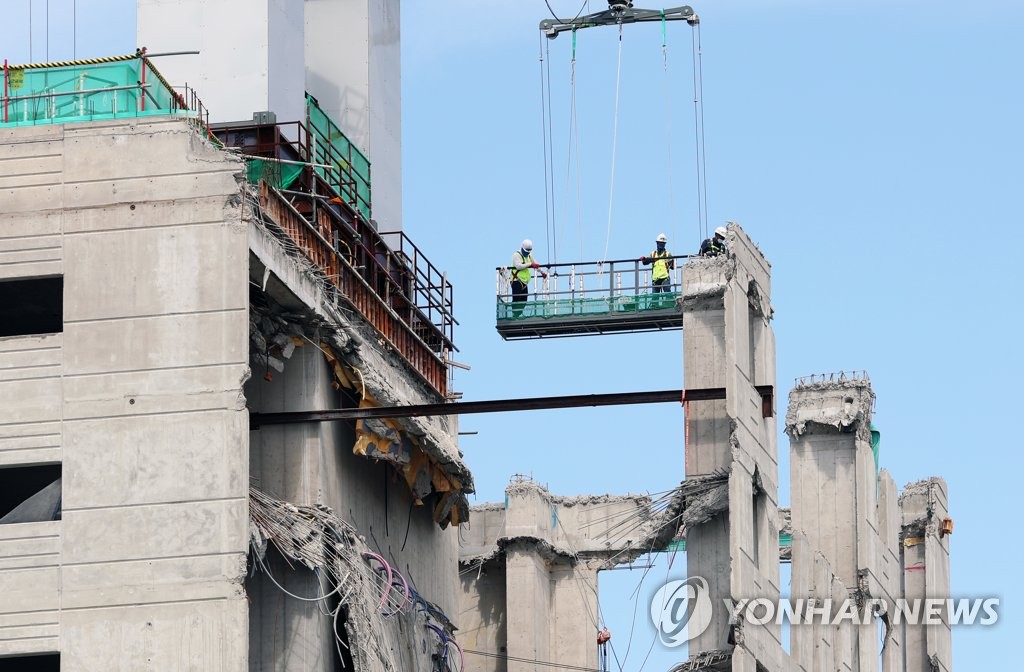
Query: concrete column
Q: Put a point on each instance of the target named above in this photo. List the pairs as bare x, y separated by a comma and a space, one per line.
832, 471
728, 343
353, 68
528, 595
531, 568
834, 491
924, 506
251, 53
285, 461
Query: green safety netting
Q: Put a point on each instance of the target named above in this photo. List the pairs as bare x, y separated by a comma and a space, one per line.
274, 173
61, 94
332, 148
586, 307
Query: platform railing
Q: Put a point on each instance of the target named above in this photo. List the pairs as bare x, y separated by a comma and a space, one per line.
588, 288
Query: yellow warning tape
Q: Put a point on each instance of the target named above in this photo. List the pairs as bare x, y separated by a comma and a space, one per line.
163, 81
66, 64
913, 541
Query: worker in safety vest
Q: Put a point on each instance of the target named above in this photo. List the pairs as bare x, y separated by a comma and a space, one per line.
712, 247
663, 263
522, 267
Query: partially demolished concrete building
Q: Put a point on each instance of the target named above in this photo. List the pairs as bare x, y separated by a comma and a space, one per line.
173, 279
168, 274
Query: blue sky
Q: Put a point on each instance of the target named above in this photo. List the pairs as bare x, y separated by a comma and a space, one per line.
873, 150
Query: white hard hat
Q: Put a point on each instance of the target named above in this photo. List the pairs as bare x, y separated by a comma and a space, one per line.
661, 238
527, 244
720, 231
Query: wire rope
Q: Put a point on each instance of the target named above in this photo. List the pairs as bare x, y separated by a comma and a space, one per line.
703, 145
615, 140
553, 243
668, 128
696, 137
544, 106
586, 3
574, 144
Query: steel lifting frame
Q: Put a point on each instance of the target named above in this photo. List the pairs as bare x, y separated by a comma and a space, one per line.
619, 12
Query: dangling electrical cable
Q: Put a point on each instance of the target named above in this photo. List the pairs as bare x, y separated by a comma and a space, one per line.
668, 129
615, 139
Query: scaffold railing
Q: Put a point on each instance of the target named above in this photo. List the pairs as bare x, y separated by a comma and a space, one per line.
111, 87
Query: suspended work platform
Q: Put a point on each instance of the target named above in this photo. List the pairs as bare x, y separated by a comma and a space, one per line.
589, 298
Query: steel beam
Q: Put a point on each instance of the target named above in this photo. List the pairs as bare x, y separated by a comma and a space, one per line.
257, 420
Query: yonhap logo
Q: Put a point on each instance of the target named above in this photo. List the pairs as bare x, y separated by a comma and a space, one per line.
679, 604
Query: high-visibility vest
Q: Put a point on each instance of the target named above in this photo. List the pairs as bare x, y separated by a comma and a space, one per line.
660, 271
522, 275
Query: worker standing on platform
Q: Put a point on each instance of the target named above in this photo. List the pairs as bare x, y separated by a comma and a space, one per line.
522, 267
663, 263
712, 247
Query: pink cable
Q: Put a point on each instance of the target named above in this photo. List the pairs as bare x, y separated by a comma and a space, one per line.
407, 596
386, 567
462, 656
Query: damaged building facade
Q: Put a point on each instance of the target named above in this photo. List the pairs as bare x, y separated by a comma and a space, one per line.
174, 274
172, 269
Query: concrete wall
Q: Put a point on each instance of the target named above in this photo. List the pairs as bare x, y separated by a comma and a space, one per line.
250, 57
139, 398
483, 616
353, 68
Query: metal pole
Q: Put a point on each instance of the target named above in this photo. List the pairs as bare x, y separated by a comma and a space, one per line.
142, 94
56, 94
173, 53
5, 90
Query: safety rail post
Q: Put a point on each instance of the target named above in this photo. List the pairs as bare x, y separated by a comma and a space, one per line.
142, 91
6, 91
